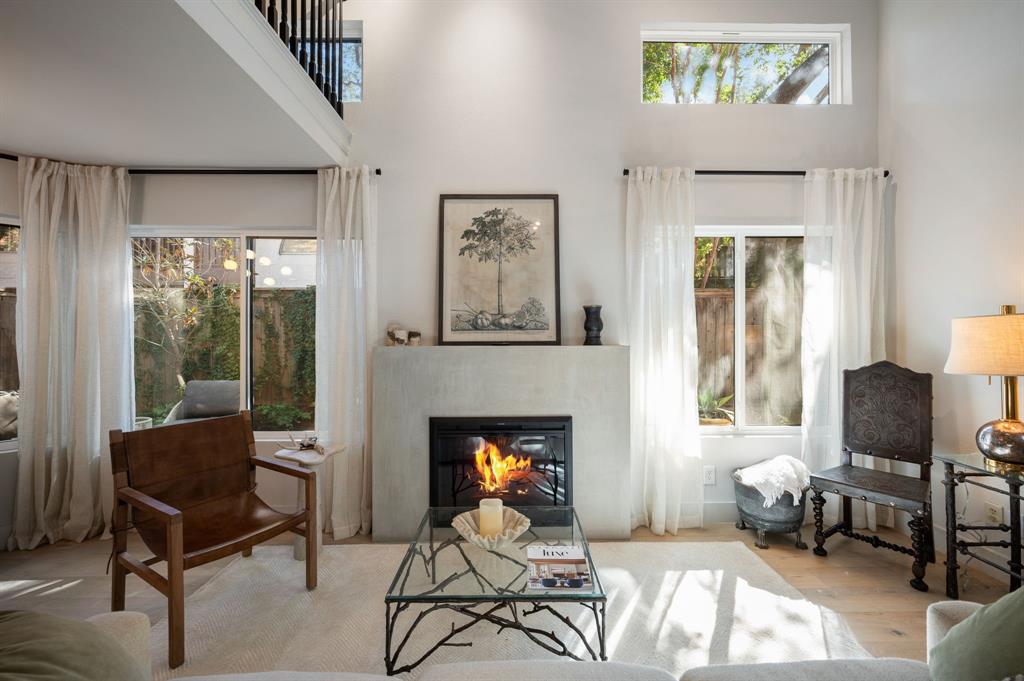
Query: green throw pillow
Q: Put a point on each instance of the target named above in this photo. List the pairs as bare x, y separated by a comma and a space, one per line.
37, 647
984, 647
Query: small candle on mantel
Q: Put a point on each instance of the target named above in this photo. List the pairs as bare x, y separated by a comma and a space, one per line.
491, 517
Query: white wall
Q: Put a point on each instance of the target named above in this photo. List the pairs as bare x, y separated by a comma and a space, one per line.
952, 132
9, 188
224, 200
544, 97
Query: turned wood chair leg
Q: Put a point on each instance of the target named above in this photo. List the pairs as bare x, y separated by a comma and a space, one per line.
848, 513
930, 537
175, 595
818, 501
918, 527
313, 537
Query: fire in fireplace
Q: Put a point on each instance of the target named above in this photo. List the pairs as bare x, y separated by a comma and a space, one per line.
523, 461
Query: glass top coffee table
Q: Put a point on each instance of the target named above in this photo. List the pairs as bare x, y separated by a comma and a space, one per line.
442, 575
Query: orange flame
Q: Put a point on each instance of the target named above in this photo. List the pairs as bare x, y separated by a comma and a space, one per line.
496, 471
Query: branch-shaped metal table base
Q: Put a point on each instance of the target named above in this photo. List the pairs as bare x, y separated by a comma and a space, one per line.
505, 614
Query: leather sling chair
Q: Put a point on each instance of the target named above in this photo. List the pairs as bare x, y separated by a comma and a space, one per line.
191, 490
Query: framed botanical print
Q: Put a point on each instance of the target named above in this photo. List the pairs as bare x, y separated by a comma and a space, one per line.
498, 270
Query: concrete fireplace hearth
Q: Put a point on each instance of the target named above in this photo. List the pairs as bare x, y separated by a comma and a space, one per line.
590, 384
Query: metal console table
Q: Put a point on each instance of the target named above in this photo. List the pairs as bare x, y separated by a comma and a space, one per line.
968, 469
443, 575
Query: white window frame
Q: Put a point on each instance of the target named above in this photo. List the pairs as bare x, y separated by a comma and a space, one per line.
739, 235
10, 260
243, 234
350, 30
836, 36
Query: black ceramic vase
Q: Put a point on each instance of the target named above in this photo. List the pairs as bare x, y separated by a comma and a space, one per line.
592, 324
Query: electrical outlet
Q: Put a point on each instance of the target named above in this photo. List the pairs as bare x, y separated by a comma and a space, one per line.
709, 475
994, 513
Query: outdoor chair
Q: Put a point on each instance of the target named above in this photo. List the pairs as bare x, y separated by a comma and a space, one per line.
191, 492
887, 413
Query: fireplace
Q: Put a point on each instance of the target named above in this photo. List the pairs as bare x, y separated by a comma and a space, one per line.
526, 462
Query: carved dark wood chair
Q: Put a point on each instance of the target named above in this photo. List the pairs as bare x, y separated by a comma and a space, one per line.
887, 413
191, 491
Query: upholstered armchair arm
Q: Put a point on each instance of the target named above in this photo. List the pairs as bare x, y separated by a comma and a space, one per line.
131, 630
167, 514
944, 615
284, 467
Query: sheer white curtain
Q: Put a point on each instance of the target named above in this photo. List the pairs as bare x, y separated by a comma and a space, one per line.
74, 346
346, 330
665, 443
843, 324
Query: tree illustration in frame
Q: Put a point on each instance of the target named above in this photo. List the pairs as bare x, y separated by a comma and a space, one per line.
499, 235
498, 269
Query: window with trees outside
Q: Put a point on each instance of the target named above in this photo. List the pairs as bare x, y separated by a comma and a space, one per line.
235, 310
741, 67
10, 236
748, 285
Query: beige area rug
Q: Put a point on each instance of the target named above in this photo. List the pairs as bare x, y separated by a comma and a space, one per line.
672, 605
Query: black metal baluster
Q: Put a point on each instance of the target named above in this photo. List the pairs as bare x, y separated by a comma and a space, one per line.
282, 26
272, 14
332, 54
303, 48
293, 43
340, 56
320, 46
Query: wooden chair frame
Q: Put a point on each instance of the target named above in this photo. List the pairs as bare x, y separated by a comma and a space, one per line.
892, 494
173, 585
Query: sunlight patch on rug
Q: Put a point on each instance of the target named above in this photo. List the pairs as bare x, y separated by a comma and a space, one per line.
671, 605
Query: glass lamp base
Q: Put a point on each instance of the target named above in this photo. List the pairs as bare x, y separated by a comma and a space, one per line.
1002, 440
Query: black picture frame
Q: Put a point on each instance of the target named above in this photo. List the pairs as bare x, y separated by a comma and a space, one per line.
444, 331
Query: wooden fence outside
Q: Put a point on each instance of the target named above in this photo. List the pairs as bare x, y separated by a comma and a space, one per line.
8, 343
772, 356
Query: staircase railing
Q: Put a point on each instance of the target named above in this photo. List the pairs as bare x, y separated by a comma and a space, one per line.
312, 31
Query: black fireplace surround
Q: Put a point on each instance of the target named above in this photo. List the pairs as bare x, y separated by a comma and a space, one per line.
545, 440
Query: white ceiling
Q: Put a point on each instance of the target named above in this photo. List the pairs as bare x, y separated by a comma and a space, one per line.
137, 83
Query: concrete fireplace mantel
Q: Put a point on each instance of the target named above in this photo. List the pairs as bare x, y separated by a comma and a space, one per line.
588, 383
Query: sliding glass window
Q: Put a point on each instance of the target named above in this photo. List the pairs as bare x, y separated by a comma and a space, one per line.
224, 323
283, 333
748, 338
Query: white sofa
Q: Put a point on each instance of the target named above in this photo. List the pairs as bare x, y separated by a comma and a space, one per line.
132, 630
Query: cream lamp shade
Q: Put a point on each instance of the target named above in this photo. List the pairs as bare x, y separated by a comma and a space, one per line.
992, 345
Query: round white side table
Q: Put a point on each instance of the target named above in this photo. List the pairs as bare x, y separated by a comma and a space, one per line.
312, 460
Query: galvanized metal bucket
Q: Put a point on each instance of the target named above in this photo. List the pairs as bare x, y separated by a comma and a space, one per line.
782, 516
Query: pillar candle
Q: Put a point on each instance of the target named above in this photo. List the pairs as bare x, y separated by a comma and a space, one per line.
491, 522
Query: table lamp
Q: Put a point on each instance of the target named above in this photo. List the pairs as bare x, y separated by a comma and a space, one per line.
994, 346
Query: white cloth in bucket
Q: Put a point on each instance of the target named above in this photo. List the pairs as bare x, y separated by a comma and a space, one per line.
775, 477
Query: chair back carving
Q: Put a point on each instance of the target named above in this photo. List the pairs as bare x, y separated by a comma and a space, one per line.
187, 464
887, 412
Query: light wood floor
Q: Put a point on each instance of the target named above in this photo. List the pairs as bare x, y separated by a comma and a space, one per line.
867, 586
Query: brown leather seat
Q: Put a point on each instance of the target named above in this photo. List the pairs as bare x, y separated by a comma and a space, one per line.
191, 488
229, 523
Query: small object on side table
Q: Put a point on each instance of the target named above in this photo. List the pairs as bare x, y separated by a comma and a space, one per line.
593, 324
310, 458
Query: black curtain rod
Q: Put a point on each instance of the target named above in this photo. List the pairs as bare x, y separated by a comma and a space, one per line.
784, 173
210, 171
227, 171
